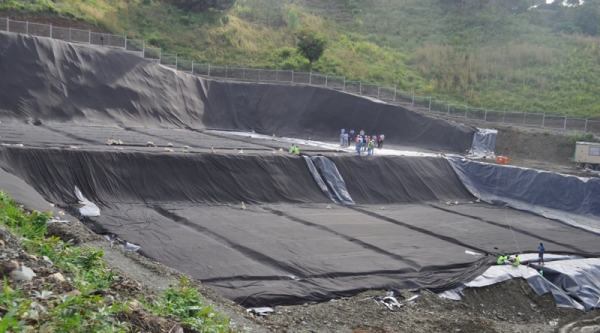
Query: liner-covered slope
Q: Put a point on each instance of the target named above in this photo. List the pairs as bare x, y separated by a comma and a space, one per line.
399, 179
54, 81
118, 177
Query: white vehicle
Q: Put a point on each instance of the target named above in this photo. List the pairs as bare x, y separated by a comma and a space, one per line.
587, 155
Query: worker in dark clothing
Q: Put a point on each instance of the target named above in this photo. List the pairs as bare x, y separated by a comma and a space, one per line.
541, 250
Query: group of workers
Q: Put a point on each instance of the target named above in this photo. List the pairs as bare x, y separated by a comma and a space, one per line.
294, 150
364, 143
505, 259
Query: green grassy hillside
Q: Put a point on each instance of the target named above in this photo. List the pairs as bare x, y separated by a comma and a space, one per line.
487, 53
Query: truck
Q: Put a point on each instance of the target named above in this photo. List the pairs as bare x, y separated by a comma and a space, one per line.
587, 155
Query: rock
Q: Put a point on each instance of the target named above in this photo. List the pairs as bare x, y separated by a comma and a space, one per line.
304, 323
135, 305
57, 277
46, 259
32, 257
8, 266
109, 299
24, 273
1, 243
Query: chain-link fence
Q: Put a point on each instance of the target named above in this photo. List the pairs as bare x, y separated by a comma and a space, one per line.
388, 94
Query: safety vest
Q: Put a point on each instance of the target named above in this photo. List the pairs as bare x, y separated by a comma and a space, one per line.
517, 261
501, 260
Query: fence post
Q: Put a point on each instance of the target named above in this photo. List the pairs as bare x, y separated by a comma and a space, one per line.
175, 60
585, 128
524, 116
50, 30
160, 55
89, 36
395, 94
259, 75
225, 71
310, 78
292, 76
143, 48
466, 111
429, 103
485, 116
27, 28
565, 126
378, 89
125, 43
544, 120
69, 34
208, 69
325, 80
276, 72
412, 104
504, 117
7, 25
108, 44
192, 67
344, 88
449, 109
244, 73
360, 87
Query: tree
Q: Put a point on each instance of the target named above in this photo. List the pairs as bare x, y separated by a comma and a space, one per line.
311, 45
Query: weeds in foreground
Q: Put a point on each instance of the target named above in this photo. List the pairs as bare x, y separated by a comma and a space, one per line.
184, 301
43, 311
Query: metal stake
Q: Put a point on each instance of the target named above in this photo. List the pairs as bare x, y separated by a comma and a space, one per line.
449, 109
413, 100
565, 126
192, 67
360, 87
208, 69
344, 88
89, 36
485, 116
429, 103
504, 117
325, 80
27, 28
466, 110
544, 120
585, 128
378, 89
50, 30
395, 94
292, 76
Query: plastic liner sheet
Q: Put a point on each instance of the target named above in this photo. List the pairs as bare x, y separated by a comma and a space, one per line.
574, 283
333, 179
569, 199
319, 180
89, 208
484, 142
136, 92
579, 279
131, 177
400, 179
